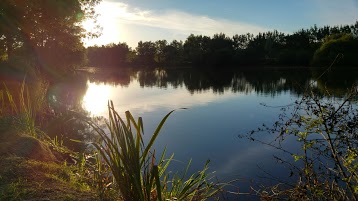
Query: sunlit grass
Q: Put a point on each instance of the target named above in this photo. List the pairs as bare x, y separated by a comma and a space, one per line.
19, 108
23, 179
196, 187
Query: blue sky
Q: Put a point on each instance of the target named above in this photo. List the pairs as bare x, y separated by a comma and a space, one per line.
149, 20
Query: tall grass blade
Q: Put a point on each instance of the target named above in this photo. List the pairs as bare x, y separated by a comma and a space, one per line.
157, 182
136, 173
155, 135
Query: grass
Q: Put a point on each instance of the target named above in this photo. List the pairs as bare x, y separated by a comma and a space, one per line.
23, 179
19, 108
35, 175
134, 168
196, 187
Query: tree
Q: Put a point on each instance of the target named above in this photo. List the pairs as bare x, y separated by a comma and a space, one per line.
45, 33
197, 48
174, 52
299, 47
160, 48
240, 42
108, 55
354, 29
337, 44
146, 52
264, 48
221, 50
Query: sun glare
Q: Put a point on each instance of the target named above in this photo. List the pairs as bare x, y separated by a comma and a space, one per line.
96, 98
109, 19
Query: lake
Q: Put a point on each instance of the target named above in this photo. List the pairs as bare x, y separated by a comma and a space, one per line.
219, 107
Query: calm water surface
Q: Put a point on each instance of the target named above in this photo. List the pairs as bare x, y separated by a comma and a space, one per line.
220, 106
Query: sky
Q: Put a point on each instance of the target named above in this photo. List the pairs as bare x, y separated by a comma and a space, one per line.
132, 21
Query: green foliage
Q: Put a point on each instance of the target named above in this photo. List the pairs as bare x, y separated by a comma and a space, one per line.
134, 167
24, 107
196, 187
345, 44
45, 35
221, 51
13, 191
19, 109
126, 157
327, 163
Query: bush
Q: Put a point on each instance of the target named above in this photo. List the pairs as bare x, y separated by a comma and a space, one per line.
326, 165
333, 45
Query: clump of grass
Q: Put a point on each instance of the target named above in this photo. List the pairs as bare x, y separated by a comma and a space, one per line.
196, 187
19, 108
137, 175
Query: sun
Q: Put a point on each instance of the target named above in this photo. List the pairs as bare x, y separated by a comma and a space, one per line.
108, 19
96, 98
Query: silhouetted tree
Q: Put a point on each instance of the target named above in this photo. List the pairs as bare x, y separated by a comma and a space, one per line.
146, 52
241, 42
299, 48
45, 34
354, 29
263, 48
174, 53
160, 46
197, 48
267, 48
108, 55
221, 50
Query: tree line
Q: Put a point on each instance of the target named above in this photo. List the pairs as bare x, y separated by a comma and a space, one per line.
316, 46
45, 37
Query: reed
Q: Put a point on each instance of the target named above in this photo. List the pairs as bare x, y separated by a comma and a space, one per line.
136, 172
18, 109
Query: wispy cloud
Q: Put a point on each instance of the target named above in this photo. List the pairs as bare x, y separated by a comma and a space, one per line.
177, 23
123, 22
186, 23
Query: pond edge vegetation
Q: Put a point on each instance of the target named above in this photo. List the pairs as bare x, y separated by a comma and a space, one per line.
121, 154
117, 167
326, 164
31, 129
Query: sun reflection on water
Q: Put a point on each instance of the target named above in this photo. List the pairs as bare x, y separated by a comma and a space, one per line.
96, 98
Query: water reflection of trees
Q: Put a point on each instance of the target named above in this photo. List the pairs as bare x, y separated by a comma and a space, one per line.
111, 76
275, 82
65, 97
265, 82
337, 82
